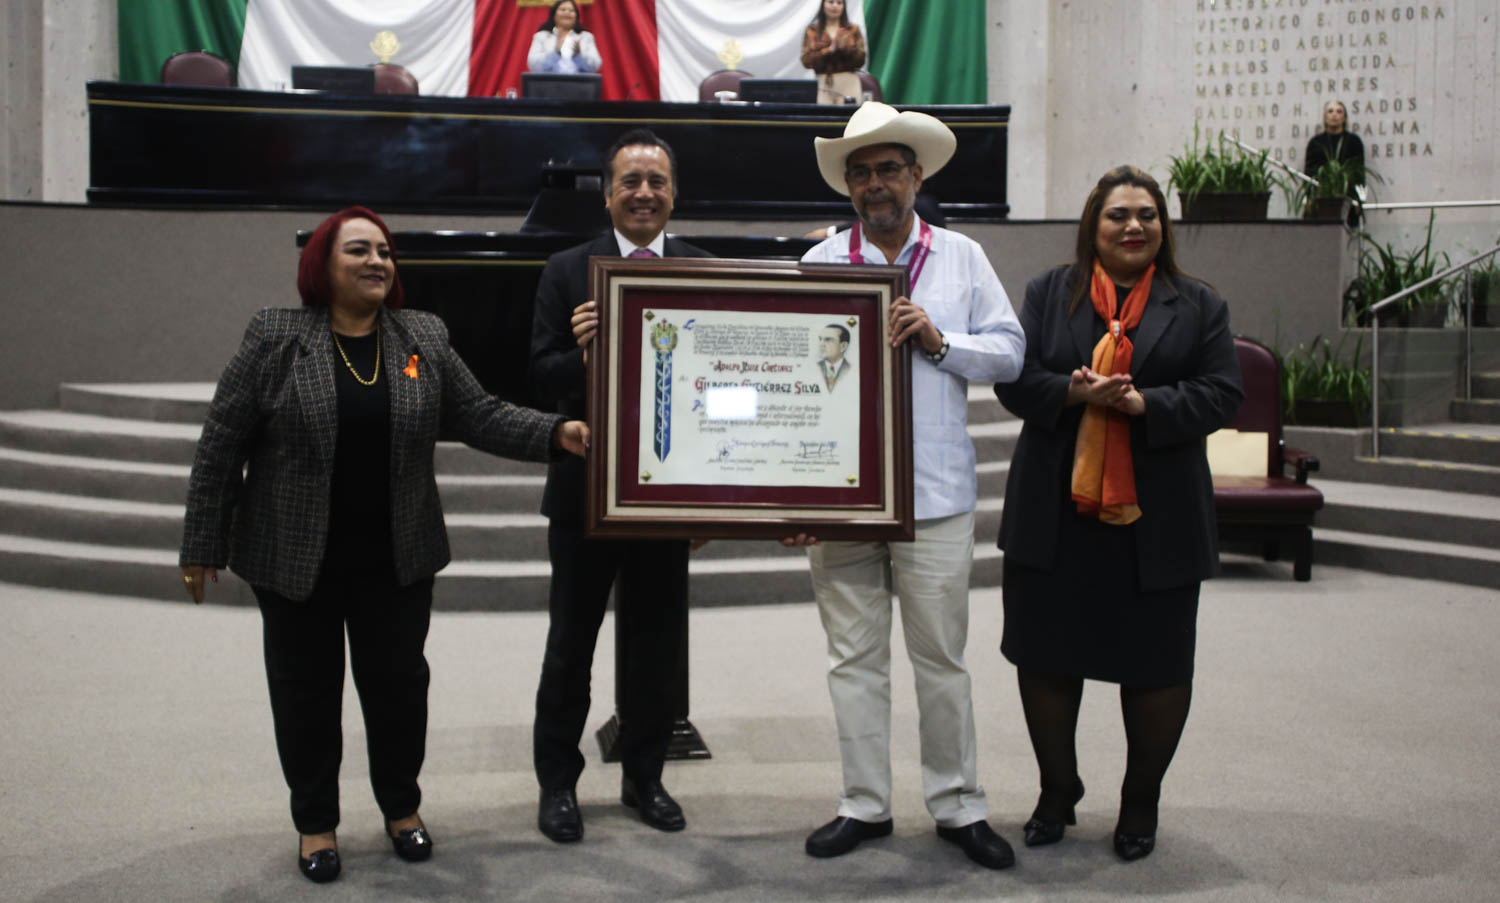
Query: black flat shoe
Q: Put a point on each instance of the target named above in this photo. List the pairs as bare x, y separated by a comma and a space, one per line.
1131, 847
655, 805
1039, 831
411, 844
981, 844
557, 815
844, 834
321, 867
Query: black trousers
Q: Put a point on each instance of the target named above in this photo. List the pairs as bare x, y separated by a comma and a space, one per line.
650, 610
304, 646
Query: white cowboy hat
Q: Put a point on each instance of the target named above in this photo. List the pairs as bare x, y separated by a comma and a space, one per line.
878, 123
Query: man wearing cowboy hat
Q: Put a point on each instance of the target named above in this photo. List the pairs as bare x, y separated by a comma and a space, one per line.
963, 328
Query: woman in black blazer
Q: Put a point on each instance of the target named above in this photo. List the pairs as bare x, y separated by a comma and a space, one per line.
1109, 525
336, 524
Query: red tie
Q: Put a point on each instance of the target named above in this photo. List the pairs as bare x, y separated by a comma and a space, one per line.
643, 252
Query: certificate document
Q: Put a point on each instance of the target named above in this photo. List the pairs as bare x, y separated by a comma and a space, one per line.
739, 398
743, 399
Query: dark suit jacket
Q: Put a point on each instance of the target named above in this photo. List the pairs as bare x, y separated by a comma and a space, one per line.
1185, 364
276, 407
557, 371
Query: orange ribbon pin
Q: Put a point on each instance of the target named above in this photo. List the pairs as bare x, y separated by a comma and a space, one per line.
411, 367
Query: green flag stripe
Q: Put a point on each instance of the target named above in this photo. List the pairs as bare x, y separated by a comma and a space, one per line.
928, 53
152, 30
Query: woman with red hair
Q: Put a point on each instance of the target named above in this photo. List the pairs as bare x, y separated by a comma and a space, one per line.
335, 523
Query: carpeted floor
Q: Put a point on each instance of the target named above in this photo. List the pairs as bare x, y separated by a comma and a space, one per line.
1344, 745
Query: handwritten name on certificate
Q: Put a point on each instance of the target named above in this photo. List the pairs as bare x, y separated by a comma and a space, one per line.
749, 399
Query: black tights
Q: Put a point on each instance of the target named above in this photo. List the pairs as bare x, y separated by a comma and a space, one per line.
1154, 718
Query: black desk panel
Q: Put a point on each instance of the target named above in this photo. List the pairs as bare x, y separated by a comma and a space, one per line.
158, 144
483, 285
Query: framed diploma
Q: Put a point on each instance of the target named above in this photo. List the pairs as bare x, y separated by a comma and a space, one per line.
748, 399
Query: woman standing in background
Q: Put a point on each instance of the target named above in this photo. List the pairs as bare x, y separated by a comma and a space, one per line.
834, 48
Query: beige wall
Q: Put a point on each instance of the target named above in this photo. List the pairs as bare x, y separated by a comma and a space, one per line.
49, 49
1098, 84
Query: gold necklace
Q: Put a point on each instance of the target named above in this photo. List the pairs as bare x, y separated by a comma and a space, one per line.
357, 378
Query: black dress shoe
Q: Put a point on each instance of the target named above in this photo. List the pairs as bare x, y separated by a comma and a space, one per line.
981, 844
321, 867
1140, 840
656, 806
844, 834
1040, 831
411, 844
1131, 847
557, 815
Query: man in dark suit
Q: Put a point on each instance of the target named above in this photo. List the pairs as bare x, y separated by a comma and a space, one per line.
640, 185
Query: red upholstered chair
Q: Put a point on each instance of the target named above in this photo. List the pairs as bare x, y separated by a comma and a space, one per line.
197, 67
868, 84
722, 80
1268, 508
393, 79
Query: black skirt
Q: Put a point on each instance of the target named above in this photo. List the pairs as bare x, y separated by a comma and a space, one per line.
1087, 617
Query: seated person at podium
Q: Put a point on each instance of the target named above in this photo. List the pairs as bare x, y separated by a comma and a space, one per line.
834, 48
562, 44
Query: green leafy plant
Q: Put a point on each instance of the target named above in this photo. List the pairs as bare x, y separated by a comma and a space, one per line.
1320, 372
1225, 169
1336, 179
1484, 282
1385, 271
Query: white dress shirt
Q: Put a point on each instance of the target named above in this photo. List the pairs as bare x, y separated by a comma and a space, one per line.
658, 245
965, 300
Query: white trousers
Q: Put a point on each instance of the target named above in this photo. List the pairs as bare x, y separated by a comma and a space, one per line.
852, 582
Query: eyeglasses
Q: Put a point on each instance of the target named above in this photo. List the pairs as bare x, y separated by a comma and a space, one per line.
887, 170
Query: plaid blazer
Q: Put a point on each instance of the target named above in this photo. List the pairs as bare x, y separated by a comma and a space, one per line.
276, 409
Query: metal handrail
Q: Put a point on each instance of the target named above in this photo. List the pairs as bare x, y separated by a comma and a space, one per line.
1468, 337
1427, 205
1277, 163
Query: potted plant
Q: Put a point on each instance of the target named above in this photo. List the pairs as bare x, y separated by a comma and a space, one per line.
1224, 183
1320, 388
1329, 199
1484, 282
1384, 271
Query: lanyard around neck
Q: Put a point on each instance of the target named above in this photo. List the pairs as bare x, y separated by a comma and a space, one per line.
918, 255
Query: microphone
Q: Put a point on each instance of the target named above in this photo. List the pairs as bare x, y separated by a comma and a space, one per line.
631, 92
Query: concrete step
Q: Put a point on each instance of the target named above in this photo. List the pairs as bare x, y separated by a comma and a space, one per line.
1430, 515
104, 478
101, 478
517, 536
1487, 385
96, 436
1477, 410
465, 585
171, 402
1462, 443
1344, 454
1407, 557
163, 442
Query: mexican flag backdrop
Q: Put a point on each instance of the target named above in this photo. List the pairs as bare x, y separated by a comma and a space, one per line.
922, 52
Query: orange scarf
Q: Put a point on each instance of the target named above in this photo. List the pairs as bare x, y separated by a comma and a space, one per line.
1103, 472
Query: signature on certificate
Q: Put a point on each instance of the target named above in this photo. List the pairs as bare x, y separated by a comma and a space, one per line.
727, 447
817, 449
